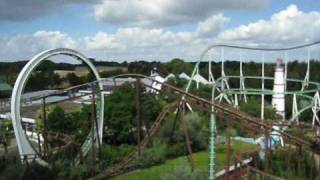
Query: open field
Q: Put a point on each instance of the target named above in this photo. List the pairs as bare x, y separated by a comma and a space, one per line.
31, 111
83, 71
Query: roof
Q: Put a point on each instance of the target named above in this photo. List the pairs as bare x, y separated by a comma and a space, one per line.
184, 76
200, 79
169, 76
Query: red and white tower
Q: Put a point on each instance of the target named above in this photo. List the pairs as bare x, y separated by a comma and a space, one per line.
278, 97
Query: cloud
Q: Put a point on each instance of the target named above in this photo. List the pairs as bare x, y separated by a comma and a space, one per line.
166, 12
18, 10
283, 28
212, 25
130, 12
286, 28
125, 43
24, 46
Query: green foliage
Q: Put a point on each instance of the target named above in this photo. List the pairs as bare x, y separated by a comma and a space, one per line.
178, 82
176, 150
113, 154
150, 107
203, 91
43, 77
57, 120
177, 66
152, 156
144, 67
37, 171
73, 79
253, 107
77, 124
9, 166
198, 132
65, 170
120, 114
279, 164
6, 133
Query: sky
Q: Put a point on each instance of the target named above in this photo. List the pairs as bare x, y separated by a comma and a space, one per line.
160, 30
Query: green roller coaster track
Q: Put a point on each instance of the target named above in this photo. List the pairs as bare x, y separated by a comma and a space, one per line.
313, 87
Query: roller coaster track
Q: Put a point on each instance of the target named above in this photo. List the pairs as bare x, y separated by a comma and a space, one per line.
220, 108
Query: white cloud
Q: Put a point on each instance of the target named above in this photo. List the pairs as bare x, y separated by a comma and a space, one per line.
283, 28
23, 46
127, 43
286, 28
101, 41
212, 25
166, 12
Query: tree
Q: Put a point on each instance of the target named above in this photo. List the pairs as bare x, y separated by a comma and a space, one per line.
5, 134
253, 107
73, 79
120, 114
178, 66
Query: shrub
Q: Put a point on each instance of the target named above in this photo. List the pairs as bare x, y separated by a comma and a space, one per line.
152, 156
66, 171
176, 149
113, 154
184, 172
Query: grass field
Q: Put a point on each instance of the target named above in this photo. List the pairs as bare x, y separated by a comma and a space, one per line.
201, 161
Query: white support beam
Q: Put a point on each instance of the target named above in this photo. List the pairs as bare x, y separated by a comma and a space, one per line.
295, 111
262, 87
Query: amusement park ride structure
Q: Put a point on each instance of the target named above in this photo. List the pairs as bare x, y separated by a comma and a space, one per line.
224, 103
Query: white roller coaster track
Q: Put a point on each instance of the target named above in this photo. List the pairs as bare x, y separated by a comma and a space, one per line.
25, 148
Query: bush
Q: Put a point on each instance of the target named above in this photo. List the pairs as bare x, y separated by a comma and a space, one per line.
113, 154
152, 156
279, 164
67, 171
198, 131
176, 149
8, 170
36, 171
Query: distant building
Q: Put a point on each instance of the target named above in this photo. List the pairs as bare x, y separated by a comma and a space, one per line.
5, 90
